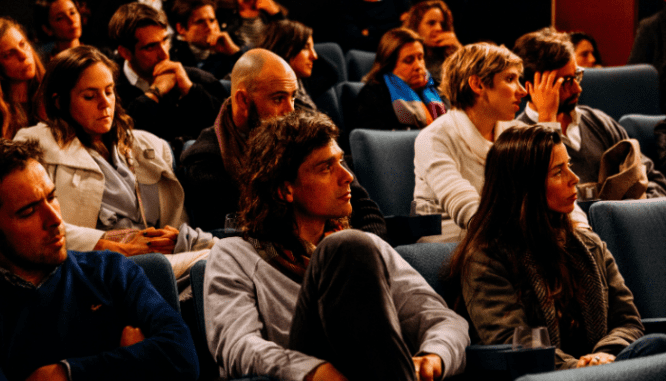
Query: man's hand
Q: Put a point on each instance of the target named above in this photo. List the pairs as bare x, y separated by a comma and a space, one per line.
131, 336
545, 94
428, 367
175, 68
268, 6
221, 42
53, 372
164, 84
325, 372
146, 241
595, 359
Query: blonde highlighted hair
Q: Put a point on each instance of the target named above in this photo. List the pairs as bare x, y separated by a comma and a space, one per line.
483, 60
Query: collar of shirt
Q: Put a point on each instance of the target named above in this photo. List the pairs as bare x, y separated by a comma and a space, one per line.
134, 78
17, 281
199, 54
572, 137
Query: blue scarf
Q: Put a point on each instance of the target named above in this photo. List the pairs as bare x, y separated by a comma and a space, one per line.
412, 108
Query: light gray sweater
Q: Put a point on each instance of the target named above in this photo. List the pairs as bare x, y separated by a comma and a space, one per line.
249, 306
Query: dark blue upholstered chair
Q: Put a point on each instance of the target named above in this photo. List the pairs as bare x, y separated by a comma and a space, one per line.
227, 85
331, 52
359, 63
641, 128
635, 232
617, 91
159, 272
427, 259
384, 165
651, 368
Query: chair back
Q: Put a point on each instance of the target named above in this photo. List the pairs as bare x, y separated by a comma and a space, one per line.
617, 91
332, 52
635, 233
359, 63
641, 128
159, 272
384, 165
428, 259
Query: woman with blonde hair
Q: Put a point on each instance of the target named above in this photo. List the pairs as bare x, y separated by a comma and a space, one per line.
21, 72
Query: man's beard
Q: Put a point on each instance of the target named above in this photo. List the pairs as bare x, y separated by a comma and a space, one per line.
253, 119
568, 105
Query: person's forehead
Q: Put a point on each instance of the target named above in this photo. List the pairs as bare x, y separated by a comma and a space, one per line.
410, 48
276, 80
567, 70
149, 34
433, 13
20, 186
60, 6
321, 154
204, 11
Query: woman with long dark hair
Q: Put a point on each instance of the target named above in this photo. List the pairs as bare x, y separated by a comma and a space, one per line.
21, 72
524, 262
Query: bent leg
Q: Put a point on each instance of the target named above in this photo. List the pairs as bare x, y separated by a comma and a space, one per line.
647, 345
345, 313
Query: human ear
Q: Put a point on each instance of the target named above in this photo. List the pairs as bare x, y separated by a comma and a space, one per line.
475, 84
125, 53
47, 30
286, 192
180, 29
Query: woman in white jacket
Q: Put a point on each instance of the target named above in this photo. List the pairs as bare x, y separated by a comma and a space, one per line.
116, 183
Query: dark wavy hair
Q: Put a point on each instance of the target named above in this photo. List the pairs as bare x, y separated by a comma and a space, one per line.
388, 52
286, 38
513, 215
181, 10
276, 149
577, 37
13, 114
130, 17
62, 74
14, 155
543, 50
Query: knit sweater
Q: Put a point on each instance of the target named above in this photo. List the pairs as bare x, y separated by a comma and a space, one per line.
78, 314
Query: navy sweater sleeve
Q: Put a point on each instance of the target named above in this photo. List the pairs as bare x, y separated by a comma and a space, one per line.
168, 350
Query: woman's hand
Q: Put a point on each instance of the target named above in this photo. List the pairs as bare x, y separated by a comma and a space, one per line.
545, 94
595, 359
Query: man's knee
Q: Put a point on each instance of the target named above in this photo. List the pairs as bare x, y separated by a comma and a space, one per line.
348, 246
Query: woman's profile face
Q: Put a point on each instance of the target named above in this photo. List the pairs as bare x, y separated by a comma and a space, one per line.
93, 101
64, 21
16, 57
502, 100
430, 27
560, 182
302, 63
410, 66
585, 54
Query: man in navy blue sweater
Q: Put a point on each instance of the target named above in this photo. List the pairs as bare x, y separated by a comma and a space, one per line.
67, 315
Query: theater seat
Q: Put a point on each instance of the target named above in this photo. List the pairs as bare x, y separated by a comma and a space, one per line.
159, 272
617, 91
635, 232
359, 63
331, 52
641, 128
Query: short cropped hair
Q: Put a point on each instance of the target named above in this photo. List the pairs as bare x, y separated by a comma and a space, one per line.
182, 10
388, 52
543, 50
130, 17
14, 155
278, 147
286, 38
483, 60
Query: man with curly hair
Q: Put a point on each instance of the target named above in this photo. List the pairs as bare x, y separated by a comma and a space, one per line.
301, 296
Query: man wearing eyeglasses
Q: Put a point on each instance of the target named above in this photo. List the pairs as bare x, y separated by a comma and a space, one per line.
587, 132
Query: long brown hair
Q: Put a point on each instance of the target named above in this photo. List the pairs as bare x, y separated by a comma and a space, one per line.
388, 52
13, 114
418, 10
62, 74
513, 215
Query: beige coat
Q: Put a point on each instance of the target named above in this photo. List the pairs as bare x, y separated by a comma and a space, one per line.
80, 183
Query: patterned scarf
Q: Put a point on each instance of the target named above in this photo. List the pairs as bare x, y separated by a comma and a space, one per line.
289, 263
232, 141
412, 108
593, 307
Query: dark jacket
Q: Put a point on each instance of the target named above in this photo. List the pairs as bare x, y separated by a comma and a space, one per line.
173, 116
218, 64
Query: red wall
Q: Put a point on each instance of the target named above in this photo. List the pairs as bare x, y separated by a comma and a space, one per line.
610, 22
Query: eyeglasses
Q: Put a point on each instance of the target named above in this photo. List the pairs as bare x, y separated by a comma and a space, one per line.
568, 80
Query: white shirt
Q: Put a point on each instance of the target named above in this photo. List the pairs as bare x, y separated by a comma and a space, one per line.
134, 78
572, 137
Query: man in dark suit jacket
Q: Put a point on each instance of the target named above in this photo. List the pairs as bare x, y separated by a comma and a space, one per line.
162, 96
